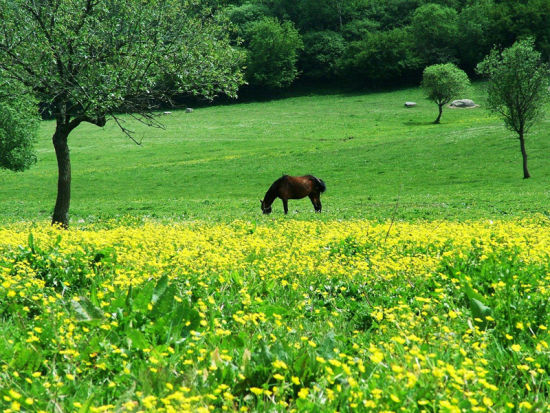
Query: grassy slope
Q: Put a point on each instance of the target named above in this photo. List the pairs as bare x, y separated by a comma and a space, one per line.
217, 162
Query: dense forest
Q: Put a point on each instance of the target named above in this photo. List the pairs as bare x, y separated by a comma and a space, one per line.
373, 42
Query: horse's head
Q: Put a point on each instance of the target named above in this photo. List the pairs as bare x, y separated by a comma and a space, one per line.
265, 209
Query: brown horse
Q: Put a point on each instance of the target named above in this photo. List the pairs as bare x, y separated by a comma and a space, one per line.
294, 187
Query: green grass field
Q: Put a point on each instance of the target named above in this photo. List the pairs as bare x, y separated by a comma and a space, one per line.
217, 162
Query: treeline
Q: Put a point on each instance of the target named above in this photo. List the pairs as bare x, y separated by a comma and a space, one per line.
373, 42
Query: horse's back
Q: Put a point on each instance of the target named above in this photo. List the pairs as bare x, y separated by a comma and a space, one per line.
297, 187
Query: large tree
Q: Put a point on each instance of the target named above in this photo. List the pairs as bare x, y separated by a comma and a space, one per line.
86, 60
517, 89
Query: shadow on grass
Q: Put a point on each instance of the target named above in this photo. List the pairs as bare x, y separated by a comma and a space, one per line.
417, 123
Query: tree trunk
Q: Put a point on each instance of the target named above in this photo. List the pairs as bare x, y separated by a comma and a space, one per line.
440, 112
339, 8
61, 210
524, 156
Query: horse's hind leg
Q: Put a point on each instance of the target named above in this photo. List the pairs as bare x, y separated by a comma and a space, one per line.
285, 205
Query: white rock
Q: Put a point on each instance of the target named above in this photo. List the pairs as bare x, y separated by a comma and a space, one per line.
463, 103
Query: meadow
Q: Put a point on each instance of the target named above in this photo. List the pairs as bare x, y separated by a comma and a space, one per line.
423, 286
217, 162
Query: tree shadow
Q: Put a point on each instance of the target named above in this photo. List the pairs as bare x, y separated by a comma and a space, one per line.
418, 123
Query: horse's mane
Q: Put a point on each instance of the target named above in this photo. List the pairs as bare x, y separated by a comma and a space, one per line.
275, 185
271, 193
279, 181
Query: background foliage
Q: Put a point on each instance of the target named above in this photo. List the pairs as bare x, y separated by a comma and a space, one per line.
393, 40
18, 128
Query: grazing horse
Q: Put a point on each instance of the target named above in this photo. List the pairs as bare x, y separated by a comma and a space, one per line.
294, 187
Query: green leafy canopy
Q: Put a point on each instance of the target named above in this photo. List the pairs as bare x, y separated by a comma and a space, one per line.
87, 59
518, 84
443, 82
273, 49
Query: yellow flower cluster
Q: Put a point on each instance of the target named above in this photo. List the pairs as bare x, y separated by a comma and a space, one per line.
282, 315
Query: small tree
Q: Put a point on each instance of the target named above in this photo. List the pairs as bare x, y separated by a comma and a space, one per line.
442, 83
18, 128
88, 59
517, 90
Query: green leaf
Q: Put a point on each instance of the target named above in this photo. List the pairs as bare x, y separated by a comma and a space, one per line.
479, 309
86, 406
305, 405
270, 309
137, 338
85, 310
476, 301
470, 293
160, 289
164, 303
128, 301
31, 242
143, 298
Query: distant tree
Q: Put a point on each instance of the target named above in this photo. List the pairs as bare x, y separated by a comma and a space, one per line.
87, 59
380, 56
515, 19
322, 50
443, 83
241, 16
392, 14
435, 30
518, 88
273, 49
317, 15
359, 29
18, 128
475, 33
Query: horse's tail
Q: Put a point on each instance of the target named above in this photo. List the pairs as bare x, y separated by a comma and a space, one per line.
319, 184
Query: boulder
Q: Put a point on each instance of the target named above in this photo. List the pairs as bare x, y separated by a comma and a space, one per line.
463, 103
188, 110
410, 104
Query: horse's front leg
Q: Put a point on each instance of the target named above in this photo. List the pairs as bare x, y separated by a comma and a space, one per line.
316, 201
285, 205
